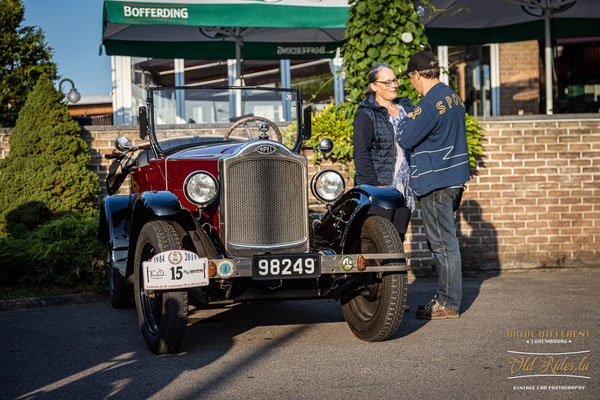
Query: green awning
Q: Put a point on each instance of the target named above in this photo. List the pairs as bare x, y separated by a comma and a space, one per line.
283, 29
265, 29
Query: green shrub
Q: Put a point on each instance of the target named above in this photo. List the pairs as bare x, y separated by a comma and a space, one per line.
330, 122
47, 162
63, 252
474, 138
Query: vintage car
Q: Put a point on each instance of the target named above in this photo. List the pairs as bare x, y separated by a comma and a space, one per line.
218, 212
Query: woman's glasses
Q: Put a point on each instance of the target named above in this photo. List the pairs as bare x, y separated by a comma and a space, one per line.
389, 82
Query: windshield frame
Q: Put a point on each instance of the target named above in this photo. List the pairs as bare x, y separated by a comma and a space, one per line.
150, 105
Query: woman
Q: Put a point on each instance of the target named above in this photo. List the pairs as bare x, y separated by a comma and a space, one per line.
377, 158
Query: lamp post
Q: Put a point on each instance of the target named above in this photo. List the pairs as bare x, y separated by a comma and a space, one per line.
73, 95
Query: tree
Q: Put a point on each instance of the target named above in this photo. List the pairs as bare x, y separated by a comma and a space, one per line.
381, 31
24, 57
47, 163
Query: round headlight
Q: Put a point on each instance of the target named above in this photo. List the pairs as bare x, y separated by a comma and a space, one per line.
328, 185
200, 188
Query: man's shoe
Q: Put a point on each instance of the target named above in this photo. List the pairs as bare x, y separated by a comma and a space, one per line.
435, 310
428, 304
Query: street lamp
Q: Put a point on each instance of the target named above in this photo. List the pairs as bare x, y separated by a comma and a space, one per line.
73, 95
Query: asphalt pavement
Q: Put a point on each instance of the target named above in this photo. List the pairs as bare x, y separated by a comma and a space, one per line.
532, 335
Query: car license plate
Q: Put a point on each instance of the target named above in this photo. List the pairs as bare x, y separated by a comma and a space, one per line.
175, 269
282, 266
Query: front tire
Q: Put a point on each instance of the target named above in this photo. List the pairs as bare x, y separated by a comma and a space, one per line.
162, 316
374, 312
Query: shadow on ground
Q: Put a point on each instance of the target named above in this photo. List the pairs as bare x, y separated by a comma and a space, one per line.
479, 253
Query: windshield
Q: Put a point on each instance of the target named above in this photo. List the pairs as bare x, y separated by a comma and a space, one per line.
188, 116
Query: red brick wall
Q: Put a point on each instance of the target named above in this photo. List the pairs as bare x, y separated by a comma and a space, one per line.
535, 201
519, 78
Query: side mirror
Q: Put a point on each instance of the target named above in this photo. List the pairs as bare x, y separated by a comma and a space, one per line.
143, 122
326, 145
122, 144
307, 123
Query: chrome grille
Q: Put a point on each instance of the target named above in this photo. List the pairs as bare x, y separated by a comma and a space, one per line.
266, 205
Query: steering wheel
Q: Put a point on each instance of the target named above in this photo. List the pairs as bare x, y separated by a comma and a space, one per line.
245, 120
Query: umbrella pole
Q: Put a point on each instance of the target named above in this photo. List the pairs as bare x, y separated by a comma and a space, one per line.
238, 78
238, 60
548, 61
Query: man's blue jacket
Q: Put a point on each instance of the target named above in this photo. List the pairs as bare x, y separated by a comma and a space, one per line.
437, 140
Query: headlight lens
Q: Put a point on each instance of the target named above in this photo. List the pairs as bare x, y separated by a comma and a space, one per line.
200, 188
328, 185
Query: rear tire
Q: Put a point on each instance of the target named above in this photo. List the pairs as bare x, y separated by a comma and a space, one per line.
162, 316
374, 312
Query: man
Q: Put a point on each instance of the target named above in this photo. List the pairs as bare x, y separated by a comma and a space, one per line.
436, 137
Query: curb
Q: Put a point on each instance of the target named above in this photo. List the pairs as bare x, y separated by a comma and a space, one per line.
35, 302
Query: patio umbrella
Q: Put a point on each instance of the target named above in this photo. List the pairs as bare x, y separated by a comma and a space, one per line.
222, 29
467, 22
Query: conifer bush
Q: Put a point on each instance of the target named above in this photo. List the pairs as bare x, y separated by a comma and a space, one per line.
47, 164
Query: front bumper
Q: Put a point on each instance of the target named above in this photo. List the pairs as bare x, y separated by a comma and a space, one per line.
331, 264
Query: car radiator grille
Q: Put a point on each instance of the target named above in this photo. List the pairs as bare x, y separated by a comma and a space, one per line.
266, 202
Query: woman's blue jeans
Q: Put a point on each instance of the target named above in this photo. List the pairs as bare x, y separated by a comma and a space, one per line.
437, 210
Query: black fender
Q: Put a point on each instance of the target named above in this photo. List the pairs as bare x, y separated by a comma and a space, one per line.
344, 219
114, 228
165, 205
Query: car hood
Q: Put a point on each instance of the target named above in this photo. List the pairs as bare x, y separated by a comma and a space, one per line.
206, 158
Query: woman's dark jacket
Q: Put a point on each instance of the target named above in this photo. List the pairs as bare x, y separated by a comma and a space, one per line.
374, 142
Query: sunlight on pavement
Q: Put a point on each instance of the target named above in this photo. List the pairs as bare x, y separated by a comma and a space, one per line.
116, 362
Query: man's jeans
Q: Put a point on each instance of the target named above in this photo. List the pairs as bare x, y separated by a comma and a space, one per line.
438, 219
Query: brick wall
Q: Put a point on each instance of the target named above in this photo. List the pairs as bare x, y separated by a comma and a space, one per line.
519, 78
535, 201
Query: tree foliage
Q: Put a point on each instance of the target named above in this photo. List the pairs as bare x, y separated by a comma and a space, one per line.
24, 57
381, 31
63, 252
47, 163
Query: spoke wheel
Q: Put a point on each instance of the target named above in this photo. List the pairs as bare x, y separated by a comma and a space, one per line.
374, 311
162, 316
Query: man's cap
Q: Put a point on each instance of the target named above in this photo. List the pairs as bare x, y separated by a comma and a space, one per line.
420, 61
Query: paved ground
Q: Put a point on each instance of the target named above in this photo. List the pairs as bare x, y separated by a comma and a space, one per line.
304, 350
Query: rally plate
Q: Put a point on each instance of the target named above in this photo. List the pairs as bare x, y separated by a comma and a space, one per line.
175, 269
285, 266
